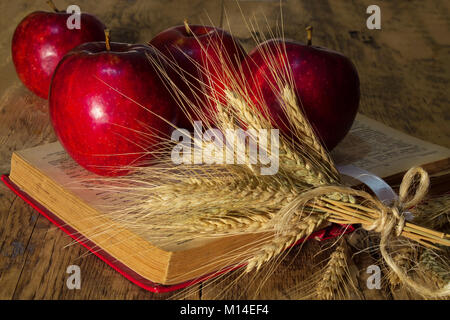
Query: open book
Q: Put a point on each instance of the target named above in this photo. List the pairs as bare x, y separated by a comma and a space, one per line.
45, 177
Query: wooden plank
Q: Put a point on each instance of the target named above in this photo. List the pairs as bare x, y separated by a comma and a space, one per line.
45, 273
17, 222
276, 281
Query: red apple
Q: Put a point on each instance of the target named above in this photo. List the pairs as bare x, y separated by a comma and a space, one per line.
326, 83
109, 106
197, 49
41, 40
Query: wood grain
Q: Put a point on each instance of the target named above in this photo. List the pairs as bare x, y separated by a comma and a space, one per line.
404, 70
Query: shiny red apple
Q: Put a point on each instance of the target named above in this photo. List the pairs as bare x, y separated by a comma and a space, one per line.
109, 106
203, 53
326, 83
41, 40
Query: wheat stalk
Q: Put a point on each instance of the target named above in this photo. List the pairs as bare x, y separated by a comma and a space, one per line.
300, 229
232, 222
291, 161
334, 273
434, 213
302, 128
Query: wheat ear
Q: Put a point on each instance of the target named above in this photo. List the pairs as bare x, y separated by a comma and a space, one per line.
334, 274
301, 127
437, 271
277, 245
291, 160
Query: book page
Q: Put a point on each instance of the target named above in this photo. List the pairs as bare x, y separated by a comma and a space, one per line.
384, 151
54, 162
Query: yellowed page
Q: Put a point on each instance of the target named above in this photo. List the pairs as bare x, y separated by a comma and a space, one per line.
384, 151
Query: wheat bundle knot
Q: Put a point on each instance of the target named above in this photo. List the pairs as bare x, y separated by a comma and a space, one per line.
387, 223
386, 220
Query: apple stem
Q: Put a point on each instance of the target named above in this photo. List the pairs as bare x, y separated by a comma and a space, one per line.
107, 38
309, 30
52, 5
188, 29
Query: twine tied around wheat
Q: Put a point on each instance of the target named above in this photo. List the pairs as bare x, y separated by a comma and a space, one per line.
389, 221
397, 217
389, 224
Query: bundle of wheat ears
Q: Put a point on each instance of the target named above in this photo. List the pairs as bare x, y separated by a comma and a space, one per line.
215, 198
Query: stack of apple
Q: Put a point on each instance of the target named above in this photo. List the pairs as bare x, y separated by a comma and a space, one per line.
111, 108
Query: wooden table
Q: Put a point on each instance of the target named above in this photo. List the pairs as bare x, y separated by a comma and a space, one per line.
404, 70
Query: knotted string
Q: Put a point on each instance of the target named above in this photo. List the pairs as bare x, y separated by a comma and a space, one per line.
398, 209
386, 220
395, 221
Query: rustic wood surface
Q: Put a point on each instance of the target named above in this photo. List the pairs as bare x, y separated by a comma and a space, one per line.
404, 70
